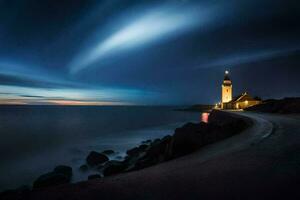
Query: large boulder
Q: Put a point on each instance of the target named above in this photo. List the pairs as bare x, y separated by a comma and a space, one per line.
143, 147
83, 168
137, 156
114, 167
94, 158
65, 170
133, 152
227, 124
137, 151
60, 175
50, 179
158, 151
189, 138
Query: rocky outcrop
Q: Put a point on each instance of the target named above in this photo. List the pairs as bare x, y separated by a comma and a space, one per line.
83, 168
158, 151
60, 175
65, 170
189, 138
192, 137
114, 167
146, 142
94, 158
137, 150
186, 139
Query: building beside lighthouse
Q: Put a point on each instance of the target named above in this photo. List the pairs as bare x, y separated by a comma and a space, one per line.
241, 101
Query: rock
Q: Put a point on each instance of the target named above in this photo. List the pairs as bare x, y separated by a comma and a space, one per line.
226, 124
160, 148
65, 170
158, 151
143, 147
146, 155
186, 139
50, 179
189, 138
108, 152
192, 136
131, 161
146, 142
100, 167
136, 151
114, 167
94, 176
95, 158
133, 152
84, 167
156, 141
60, 175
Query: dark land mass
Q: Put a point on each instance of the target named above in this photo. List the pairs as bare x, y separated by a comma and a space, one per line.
283, 106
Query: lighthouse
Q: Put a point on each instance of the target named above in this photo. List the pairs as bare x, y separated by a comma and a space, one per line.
226, 90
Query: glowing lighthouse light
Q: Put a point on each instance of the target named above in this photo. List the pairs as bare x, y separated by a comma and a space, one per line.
226, 72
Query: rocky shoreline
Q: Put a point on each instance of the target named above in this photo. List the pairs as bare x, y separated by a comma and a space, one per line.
185, 140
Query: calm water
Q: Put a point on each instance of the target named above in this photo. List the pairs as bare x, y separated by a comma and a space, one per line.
34, 139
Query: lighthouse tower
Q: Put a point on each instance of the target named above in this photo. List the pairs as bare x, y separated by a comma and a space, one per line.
226, 90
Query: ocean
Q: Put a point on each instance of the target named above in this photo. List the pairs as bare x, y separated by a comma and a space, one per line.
35, 139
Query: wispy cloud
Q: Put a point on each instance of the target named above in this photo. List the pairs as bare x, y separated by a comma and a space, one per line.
251, 56
30, 76
153, 25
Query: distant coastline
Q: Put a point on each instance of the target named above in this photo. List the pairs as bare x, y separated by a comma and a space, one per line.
197, 108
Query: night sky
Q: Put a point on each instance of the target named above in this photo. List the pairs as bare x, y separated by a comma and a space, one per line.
116, 52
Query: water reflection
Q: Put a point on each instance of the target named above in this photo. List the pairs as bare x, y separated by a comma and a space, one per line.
204, 117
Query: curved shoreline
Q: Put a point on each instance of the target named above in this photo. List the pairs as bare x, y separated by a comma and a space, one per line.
249, 121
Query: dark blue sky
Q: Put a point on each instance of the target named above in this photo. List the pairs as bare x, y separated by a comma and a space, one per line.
146, 52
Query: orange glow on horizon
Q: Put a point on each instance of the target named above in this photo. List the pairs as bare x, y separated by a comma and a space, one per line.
85, 103
12, 102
